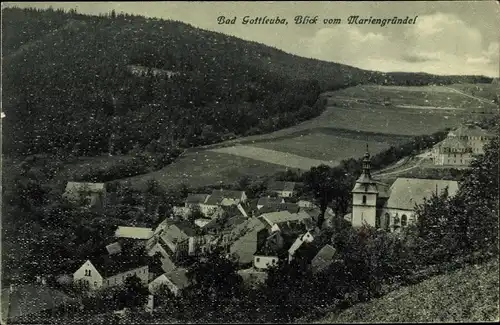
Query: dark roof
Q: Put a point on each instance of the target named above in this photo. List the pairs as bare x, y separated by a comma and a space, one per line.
218, 195
196, 198
186, 227
128, 259
179, 278
269, 201
273, 207
30, 299
281, 186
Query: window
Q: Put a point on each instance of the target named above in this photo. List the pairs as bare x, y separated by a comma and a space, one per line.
87, 272
377, 221
108, 282
396, 220
404, 220
364, 199
257, 259
95, 284
387, 220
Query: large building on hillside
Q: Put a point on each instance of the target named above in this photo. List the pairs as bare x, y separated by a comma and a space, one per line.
460, 146
380, 206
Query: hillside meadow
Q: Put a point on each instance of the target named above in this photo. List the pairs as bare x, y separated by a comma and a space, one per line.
466, 295
354, 117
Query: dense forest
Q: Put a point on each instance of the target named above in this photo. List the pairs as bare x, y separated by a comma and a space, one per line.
71, 86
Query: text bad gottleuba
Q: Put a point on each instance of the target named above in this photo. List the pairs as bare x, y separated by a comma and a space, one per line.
311, 20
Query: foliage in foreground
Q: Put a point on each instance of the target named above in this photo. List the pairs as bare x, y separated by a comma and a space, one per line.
466, 295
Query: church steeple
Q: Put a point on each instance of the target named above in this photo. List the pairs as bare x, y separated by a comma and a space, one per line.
367, 163
364, 196
366, 177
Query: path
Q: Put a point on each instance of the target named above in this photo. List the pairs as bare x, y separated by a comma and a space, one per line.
484, 100
398, 171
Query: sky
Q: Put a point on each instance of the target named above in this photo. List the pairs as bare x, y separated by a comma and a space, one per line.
448, 37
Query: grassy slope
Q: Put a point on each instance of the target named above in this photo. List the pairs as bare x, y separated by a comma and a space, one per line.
468, 294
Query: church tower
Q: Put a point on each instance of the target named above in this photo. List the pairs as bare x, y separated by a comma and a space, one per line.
364, 197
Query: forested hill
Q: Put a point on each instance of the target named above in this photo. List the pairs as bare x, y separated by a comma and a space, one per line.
73, 83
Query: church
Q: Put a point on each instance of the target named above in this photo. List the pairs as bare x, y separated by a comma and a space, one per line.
391, 207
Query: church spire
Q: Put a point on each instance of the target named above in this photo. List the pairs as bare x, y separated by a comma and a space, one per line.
367, 163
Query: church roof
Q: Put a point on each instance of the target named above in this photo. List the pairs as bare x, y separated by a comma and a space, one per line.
407, 192
365, 187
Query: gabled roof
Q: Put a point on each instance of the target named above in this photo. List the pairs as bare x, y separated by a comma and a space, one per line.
197, 198
454, 143
80, 187
272, 207
407, 192
114, 248
133, 232
128, 259
470, 130
202, 222
284, 216
218, 195
30, 299
178, 277
281, 186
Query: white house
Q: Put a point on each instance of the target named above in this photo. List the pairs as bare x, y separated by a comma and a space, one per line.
305, 238
263, 262
111, 271
283, 189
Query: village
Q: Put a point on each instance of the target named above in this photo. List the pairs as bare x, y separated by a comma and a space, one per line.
255, 233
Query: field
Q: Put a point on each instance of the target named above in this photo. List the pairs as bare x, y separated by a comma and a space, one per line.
466, 295
487, 91
354, 118
202, 168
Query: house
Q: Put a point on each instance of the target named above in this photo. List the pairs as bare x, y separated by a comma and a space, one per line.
114, 248
306, 204
134, 233
243, 240
198, 201
226, 198
266, 201
323, 259
276, 207
304, 238
452, 151
391, 208
461, 145
275, 230
283, 189
175, 281
263, 261
92, 195
282, 217
111, 270
182, 212
28, 302
173, 236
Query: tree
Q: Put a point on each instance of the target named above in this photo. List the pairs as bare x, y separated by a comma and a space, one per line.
134, 294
